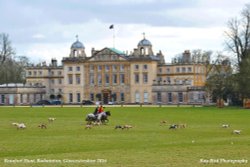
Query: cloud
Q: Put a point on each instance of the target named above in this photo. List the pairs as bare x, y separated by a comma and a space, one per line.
40, 29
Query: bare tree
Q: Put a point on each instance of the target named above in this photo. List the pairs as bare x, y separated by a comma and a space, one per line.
238, 35
11, 67
6, 50
238, 42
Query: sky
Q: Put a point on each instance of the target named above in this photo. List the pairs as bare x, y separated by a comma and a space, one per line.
46, 29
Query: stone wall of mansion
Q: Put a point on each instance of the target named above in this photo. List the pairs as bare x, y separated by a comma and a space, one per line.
109, 75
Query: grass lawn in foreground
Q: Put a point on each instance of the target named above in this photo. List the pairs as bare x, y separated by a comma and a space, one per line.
66, 142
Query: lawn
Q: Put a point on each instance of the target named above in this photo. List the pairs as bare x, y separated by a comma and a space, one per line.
66, 142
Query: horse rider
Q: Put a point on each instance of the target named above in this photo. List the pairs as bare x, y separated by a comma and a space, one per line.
100, 112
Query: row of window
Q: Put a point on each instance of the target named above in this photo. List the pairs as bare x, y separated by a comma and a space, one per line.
54, 91
77, 68
174, 81
193, 97
138, 97
77, 79
177, 70
56, 81
170, 97
137, 67
137, 78
107, 77
40, 73
27, 98
107, 67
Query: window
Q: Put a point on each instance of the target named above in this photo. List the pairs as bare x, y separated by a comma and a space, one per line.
183, 69
70, 79
122, 97
78, 79
40, 72
137, 97
145, 95
107, 78
70, 97
28, 98
29, 73
34, 73
92, 96
114, 78
113, 97
99, 77
114, 67
136, 67
60, 90
168, 80
180, 97
168, 70
137, 79
122, 67
99, 68
107, 67
59, 72
170, 99
2, 99
59, 81
122, 78
158, 97
52, 81
160, 70
78, 68
91, 68
78, 97
177, 69
52, 72
70, 69
91, 79
145, 66
145, 78
21, 98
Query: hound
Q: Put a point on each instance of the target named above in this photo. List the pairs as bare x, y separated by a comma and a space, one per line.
51, 119
127, 127
163, 122
225, 126
118, 127
88, 126
42, 126
174, 126
236, 132
21, 126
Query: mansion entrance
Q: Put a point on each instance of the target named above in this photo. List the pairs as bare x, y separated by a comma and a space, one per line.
106, 94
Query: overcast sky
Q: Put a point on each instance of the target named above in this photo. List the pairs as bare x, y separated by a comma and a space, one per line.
45, 29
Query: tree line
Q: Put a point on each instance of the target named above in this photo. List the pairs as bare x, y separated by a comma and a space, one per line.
12, 67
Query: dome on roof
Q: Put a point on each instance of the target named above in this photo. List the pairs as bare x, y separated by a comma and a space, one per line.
77, 45
144, 42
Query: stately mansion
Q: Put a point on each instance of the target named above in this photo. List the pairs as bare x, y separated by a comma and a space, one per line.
109, 75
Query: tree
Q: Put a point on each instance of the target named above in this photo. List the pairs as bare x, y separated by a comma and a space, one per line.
238, 42
219, 78
12, 69
6, 50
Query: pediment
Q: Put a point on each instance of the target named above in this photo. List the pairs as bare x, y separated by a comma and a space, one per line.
108, 54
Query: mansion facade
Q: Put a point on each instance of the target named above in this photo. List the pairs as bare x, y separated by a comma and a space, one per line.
109, 75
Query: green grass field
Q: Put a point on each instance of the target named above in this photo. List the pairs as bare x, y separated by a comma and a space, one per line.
66, 142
